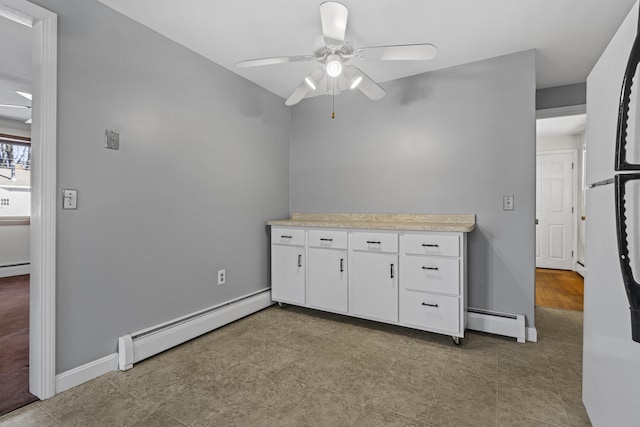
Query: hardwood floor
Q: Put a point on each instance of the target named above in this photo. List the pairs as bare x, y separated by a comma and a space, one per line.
14, 343
559, 289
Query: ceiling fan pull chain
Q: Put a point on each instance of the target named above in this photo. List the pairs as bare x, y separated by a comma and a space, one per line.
333, 99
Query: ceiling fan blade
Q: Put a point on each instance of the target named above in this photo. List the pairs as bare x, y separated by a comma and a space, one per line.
297, 95
14, 106
366, 85
270, 61
406, 52
309, 84
334, 22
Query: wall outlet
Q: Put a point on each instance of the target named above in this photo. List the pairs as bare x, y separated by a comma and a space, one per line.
69, 199
222, 277
507, 203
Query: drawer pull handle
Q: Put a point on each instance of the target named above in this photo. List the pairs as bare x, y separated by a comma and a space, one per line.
392, 271
372, 242
430, 305
429, 245
430, 268
341, 265
326, 240
299, 260
287, 237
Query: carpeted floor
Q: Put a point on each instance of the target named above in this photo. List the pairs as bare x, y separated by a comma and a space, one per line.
14, 344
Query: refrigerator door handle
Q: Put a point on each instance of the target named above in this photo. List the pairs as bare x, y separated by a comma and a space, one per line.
621, 162
632, 287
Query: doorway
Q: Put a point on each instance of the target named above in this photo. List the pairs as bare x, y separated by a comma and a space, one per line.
559, 209
42, 378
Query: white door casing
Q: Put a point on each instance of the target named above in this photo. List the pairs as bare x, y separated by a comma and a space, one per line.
42, 338
555, 209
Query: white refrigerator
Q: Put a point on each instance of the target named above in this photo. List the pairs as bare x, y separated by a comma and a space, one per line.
611, 355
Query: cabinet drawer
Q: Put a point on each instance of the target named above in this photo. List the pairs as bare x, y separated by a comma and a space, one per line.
374, 242
430, 274
288, 236
328, 239
438, 313
430, 244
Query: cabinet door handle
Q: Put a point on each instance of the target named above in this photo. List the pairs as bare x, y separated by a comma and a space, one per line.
341, 265
287, 237
326, 240
430, 305
299, 260
373, 242
392, 271
430, 268
429, 245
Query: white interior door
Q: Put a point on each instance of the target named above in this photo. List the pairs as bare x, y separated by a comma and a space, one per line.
554, 210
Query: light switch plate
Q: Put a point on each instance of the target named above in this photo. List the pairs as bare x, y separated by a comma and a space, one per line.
69, 199
507, 203
111, 139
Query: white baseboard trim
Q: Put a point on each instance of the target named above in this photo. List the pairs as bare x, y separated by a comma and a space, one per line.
581, 269
509, 325
532, 334
15, 270
140, 345
86, 372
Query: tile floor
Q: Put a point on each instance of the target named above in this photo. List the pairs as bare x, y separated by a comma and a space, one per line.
297, 367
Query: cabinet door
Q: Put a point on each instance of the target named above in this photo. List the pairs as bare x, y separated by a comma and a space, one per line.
327, 287
374, 286
288, 274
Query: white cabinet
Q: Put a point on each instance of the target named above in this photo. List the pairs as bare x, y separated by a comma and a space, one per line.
327, 285
433, 282
374, 276
412, 279
288, 265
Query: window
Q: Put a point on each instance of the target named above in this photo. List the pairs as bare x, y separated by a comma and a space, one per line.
15, 179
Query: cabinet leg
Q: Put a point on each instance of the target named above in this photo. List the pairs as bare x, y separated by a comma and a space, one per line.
281, 305
456, 340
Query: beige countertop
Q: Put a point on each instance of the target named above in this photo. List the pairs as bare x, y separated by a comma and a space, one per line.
403, 222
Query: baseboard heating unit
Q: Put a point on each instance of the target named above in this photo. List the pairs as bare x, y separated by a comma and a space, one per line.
510, 325
140, 345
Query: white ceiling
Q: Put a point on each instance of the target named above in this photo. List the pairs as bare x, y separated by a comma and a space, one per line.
15, 68
569, 35
561, 126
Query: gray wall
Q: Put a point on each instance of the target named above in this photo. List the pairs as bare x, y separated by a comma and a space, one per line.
451, 141
561, 96
203, 164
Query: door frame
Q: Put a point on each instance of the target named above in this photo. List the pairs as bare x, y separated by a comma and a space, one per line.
574, 197
42, 304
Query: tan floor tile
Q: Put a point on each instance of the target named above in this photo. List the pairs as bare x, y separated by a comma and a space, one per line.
539, 404
509, 419
577, 414
412, 402
353, 378
371, 417
98, 403
323, 408
246, 413
281, 392
452, 411
29, 416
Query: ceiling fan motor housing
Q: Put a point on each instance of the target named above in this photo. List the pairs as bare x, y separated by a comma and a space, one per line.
321, 50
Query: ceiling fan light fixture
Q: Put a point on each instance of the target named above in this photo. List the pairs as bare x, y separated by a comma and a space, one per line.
334, 66
25, 94
309, 81
355, 82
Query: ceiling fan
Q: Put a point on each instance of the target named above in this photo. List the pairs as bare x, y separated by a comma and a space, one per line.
333, 52
23, 107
